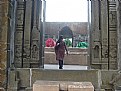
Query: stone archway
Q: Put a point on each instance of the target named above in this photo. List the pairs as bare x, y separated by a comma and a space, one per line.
67, 33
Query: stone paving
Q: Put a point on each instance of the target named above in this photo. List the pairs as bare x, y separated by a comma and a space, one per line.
65, 67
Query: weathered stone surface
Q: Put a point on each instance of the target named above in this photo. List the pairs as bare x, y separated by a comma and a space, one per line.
45, 86
72, 85
66, 75
74, 58
36, 30
27, 34
103, 34
25, 76
62, 86
119, 32
104, 23
77, 56
107, 77
19, 34
13, 81
95, 46
112, 35
99, 79
70, 49
3, 41
80, 86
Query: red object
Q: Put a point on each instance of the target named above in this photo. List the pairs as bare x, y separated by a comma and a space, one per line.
50, 42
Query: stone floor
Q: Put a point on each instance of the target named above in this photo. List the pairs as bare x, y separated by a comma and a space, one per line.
65, 67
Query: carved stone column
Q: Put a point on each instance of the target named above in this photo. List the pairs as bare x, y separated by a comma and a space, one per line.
35, 37
27, 34
19, 34
119, 32
95, 33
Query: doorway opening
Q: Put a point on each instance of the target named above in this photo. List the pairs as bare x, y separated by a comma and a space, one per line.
70, 19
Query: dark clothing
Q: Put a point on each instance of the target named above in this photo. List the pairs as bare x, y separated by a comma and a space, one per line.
60, 52
60, 64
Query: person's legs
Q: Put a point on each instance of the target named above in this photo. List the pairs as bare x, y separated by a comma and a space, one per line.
60, 64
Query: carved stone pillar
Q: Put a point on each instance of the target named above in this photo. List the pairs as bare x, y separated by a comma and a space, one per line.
27, 34
35, 37
103, 34
20, 14
119, 32
95, 32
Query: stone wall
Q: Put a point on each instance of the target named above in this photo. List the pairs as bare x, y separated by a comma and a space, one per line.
52, 28
25, 78
119, 32
76, 56
28, 44
3, 42
75, 30
103, 44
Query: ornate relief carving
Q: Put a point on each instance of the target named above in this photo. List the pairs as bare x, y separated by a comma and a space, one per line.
112, 18
96, 51
18, 51
113, 51
35, 51
26, 52
19, 33
115, 79
104, 41
105, 52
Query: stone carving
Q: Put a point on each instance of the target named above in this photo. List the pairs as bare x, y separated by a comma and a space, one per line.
35, 40
19, 34
113, 41
26, 52
113, 51
104, 52
35, 52
18, 51
112, 18
96, 51
104, 41
115, 79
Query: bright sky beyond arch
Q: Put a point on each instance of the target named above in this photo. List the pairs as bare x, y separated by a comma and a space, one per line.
66, 11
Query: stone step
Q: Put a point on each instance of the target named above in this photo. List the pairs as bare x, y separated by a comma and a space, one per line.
62, 86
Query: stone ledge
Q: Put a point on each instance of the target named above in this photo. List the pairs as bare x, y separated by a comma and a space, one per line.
62, 86
45, 86
74, 58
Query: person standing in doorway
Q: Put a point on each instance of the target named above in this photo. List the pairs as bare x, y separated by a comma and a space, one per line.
60, 49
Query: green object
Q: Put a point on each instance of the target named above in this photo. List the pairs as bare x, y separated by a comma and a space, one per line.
82, 45
68, 42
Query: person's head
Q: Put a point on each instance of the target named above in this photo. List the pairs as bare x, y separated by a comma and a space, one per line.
61, 37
